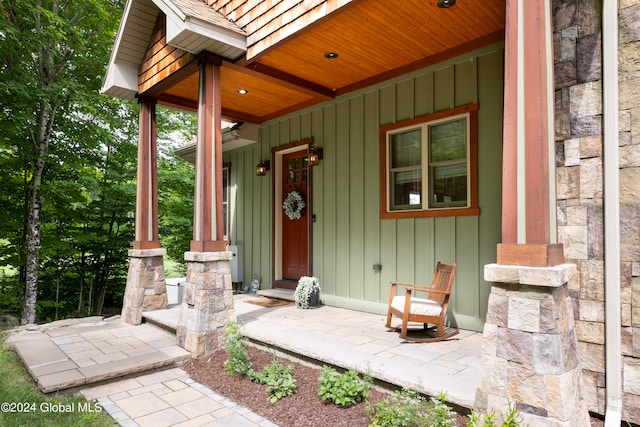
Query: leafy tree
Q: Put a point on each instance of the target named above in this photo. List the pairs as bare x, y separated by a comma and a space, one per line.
52, 56
89, 221
176, 179
68, 156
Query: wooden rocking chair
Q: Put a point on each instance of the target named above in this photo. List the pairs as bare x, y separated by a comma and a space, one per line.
432, 309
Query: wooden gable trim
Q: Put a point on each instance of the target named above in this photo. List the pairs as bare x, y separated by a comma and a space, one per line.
161, 60
267, 23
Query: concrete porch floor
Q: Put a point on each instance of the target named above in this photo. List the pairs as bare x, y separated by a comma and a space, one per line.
133, 371
356, 340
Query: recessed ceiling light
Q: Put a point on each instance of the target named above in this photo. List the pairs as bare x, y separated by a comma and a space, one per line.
242, 91
330, 55
446, 3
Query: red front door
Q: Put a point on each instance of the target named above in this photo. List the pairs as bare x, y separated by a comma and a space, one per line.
295, 231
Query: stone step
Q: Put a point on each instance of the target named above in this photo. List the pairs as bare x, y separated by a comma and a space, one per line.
166, 318
78, 355
283, 294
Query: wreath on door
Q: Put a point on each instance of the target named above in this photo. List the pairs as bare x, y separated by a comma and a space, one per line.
293, 205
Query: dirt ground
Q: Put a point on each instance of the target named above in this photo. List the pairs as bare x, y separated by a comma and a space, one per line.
303, 409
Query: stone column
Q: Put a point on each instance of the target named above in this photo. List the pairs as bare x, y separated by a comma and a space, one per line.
529, 349
146, 286
208, 302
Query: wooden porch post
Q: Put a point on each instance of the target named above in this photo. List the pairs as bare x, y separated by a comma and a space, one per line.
528, 182
146, 284
207, 218
146, 230
530, 355
208, 298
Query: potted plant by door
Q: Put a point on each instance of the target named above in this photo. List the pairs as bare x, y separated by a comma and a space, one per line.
307, 293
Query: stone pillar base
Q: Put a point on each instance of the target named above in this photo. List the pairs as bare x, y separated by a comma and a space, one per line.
207, 305
146, 285
529, 349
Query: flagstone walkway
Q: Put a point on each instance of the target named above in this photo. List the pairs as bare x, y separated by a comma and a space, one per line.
60, 356
170, 398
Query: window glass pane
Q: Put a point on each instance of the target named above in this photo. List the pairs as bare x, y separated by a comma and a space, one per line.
405, 148
225, 184
225, 219
225, 203
448, 141
449, 184
406, 189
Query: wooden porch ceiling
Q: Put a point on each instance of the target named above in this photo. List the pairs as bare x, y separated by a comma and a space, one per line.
374, 39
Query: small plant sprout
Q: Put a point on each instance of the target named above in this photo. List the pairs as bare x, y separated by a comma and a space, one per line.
238, 363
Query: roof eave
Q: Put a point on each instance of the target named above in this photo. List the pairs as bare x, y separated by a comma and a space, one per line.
117, 79
121, 81
184, 31
194, 35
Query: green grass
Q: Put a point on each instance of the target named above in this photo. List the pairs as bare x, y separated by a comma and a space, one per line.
22, 405
172, 270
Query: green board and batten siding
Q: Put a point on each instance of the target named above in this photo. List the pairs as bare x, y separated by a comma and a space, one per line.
348, 235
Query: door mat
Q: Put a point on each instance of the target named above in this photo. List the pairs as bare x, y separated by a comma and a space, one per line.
267, 302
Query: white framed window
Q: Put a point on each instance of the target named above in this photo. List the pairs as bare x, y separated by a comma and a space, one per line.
430, 165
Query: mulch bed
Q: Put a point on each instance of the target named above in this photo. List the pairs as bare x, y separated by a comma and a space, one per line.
303, 409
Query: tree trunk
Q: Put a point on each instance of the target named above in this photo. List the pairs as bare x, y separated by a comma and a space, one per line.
41, 145
99, 304
33, 249
81, 272
57, 292
90, 299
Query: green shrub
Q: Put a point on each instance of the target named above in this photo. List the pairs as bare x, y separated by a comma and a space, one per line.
510, 418
407, 408
238, 363
440, 414
280, 383
402, 408
343, 389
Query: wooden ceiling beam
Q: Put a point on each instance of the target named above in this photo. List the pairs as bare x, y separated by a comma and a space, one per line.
181, 74
192, 107
240, 116
291, 109
281, 78
425, 62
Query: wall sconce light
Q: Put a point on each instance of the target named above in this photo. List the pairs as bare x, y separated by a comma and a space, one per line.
315, 155
262, 167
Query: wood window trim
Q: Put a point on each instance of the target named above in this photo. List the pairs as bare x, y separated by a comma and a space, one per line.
472, 209
227, 166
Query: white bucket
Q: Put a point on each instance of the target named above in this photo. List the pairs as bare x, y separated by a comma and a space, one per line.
175, 290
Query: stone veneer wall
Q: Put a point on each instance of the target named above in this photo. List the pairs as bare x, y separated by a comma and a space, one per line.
579, 173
